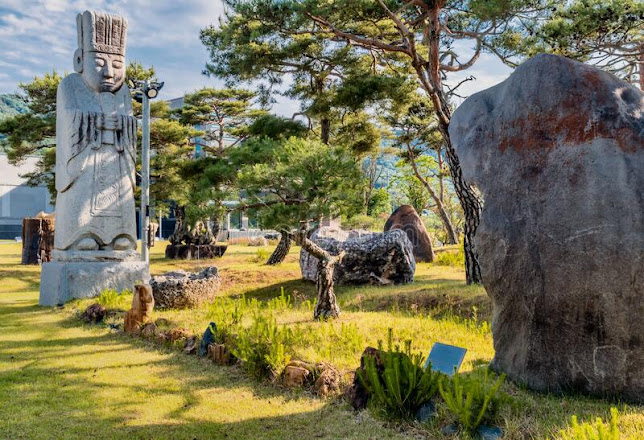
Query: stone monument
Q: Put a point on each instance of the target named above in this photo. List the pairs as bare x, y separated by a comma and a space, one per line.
557, 151
406, 218
95, 239
371, 258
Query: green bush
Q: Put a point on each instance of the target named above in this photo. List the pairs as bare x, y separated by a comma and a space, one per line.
249, 329
448, 258
261, 256
281, 303
473, 399
593, 431
262, 347
403, 387
111, 299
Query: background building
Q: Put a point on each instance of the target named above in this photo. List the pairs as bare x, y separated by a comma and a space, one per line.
17, 200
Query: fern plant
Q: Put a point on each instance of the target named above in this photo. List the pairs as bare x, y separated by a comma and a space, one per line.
475, 399
593, 431
401, 387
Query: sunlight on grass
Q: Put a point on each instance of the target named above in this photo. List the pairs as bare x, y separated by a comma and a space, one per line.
61, 379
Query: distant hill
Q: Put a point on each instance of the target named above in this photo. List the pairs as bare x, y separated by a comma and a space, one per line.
10, 105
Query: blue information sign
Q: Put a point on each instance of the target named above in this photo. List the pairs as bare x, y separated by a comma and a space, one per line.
445, 358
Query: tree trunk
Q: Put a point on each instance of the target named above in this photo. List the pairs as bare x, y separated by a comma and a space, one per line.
441, 182
447, 224
325, 128
472, 210
430, 78
216, 227
282, 249
327, 305
37, 240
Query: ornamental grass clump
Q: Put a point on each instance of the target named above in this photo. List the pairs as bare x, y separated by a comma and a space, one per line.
475, 399
593, 431
399, 386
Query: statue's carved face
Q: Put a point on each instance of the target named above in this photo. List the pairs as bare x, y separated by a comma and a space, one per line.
103, 72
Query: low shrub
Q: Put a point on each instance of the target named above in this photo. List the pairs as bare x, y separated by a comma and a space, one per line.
242, 326
111, 299
261, 256
281, 303
593, 431
450, 258
262, 347
474, 399
400, 386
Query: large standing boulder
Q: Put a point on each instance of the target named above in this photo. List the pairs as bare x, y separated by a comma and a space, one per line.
557, 151
180, 289
370, 258
406, 218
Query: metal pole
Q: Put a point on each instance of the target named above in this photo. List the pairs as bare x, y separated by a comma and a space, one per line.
145, 177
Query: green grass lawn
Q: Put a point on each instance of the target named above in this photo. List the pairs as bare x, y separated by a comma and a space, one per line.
62, 379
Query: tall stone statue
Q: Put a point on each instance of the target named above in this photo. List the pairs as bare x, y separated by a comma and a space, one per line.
96, 141
95, 239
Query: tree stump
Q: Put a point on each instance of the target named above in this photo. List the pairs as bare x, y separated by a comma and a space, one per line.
37, 239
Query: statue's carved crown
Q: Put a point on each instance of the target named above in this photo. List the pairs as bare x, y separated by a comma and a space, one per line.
100, 32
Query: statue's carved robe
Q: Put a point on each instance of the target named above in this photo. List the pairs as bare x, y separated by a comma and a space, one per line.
94, 166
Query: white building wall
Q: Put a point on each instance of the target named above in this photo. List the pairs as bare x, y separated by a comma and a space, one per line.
18, 200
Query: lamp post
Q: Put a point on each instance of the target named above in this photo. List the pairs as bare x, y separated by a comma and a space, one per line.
143, 91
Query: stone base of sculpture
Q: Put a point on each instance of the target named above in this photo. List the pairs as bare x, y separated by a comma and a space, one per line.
68, 277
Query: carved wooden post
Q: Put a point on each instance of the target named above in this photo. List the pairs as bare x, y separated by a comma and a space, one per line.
37, 239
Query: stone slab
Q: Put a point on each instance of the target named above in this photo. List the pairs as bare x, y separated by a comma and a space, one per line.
96, 256
64, 281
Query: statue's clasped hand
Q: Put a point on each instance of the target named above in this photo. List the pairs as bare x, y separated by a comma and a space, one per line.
110, 122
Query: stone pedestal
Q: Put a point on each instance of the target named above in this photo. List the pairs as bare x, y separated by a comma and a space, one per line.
69, 277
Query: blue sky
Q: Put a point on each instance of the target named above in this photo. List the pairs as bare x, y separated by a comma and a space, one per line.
40, 35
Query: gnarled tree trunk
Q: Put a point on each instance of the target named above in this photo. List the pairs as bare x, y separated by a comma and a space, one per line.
327, 305
430, 78
282, 249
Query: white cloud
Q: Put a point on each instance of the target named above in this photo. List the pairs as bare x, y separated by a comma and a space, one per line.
40, 35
